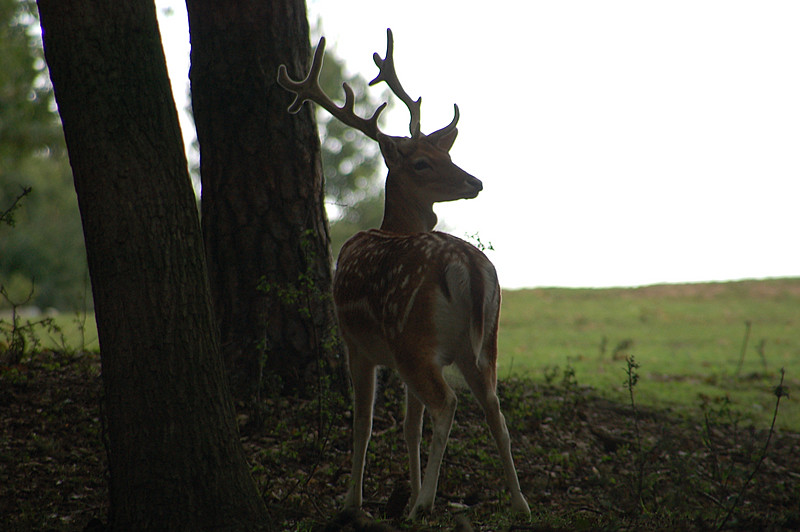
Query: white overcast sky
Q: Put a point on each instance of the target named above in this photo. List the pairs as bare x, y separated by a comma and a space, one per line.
620, 143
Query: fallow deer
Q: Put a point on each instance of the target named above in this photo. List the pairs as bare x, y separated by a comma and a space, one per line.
410, 298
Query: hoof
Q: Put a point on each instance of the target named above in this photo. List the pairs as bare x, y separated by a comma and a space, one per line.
420, 510
520, 506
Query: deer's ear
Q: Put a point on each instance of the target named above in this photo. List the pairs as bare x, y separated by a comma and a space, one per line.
445, 142
389, 149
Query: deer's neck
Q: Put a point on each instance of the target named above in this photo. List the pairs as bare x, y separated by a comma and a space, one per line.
404, 212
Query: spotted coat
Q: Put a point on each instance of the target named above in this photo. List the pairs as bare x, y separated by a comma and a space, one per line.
394, 292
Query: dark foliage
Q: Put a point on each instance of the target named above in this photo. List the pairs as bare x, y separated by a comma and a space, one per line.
576, 454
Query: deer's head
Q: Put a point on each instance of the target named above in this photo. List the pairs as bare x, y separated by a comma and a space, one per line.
421, 171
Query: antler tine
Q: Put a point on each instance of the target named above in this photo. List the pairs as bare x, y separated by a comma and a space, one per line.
448, 128
309, 89
389, 75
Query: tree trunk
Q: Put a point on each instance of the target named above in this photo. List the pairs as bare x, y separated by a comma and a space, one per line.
175, 459
264, 225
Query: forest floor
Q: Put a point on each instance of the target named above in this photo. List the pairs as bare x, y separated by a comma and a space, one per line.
584, 463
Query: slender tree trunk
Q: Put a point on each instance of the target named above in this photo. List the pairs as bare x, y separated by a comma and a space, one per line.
263, 218
174, 454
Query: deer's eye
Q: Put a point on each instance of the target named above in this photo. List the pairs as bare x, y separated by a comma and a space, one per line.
421, 165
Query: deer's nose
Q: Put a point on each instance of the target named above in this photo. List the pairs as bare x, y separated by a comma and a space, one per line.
475, 183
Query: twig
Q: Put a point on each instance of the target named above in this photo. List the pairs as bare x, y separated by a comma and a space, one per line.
711, 498
780, 391
7, 216
747, 325
761, 348
630, 384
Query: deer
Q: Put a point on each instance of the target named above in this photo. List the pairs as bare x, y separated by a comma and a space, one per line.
411, 298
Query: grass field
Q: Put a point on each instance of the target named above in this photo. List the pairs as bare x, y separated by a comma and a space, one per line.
687, 339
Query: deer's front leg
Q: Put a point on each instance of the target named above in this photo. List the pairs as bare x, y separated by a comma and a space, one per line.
362, 373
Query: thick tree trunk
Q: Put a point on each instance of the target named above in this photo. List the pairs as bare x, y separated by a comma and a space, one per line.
174, 454
263, 217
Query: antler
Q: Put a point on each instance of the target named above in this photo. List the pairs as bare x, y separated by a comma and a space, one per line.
309, 89
448, 128
389, 75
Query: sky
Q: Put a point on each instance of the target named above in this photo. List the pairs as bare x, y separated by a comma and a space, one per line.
620, 143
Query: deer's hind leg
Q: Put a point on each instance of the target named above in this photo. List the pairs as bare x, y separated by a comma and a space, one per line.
412, 430
428, 385
483, 383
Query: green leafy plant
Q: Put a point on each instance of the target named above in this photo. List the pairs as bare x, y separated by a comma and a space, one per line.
632, 379
21, 336
478, 243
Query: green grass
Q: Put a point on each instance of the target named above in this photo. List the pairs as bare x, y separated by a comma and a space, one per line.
686, 338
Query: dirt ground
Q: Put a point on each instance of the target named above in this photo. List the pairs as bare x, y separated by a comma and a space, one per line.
584, 462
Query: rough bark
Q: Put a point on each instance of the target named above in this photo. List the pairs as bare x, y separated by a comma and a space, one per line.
263, 218
175, 459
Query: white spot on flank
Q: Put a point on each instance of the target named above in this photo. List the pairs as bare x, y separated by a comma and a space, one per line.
401, 323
